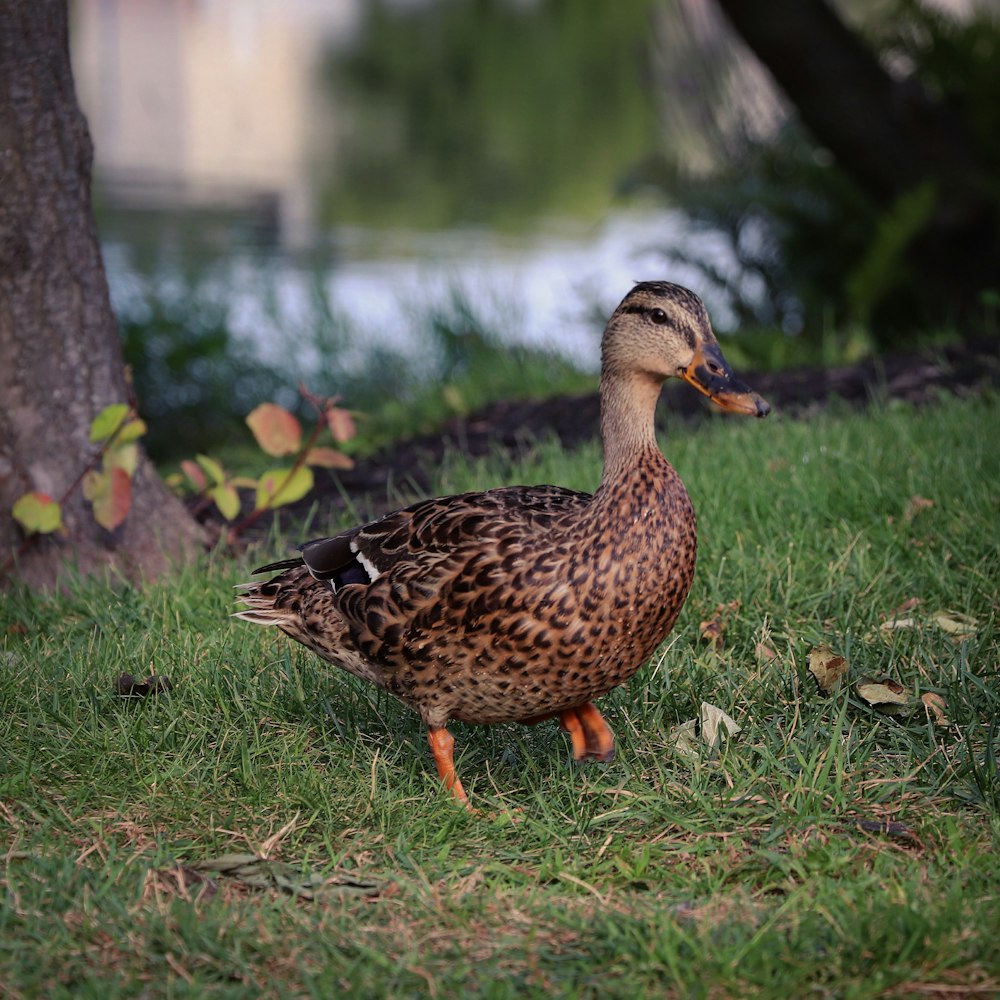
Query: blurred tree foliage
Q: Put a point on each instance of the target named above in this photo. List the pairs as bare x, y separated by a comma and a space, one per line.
877, 200
487, 111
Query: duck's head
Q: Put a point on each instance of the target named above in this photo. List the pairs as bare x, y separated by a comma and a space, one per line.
661, 330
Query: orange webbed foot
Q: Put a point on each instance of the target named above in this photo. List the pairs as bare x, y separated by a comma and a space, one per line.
443, 747
590, 735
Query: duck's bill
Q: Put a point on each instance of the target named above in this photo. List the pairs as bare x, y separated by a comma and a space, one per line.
710, 374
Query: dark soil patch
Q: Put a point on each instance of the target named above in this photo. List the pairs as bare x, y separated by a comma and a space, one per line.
405, 471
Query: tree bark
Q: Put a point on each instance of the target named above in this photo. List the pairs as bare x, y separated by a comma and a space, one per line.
60, 355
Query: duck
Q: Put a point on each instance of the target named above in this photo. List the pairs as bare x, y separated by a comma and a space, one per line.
522, 604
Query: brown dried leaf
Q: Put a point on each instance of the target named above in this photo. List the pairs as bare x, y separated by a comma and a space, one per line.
934, 706
887, 695
914, 506
712, 630
894, 624
765, 652
716, 725
684, 739
955, 624
828, 668
129, 687
696, 736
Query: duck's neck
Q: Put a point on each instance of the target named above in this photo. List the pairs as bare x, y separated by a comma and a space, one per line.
628, 405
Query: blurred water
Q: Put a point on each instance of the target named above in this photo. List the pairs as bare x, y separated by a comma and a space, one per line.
552, 288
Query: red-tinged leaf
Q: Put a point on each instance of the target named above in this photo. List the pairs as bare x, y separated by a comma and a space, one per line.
194, 473
110, 494
38, 513
329, 458
281, 486
276, 430
108, 421
227, 500
132, 431
828, 668
341, 424
212, 468
123, 456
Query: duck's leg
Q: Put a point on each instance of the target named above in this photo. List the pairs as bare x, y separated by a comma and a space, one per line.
591, 736
443, 747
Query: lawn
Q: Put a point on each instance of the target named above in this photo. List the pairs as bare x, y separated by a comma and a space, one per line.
271, 826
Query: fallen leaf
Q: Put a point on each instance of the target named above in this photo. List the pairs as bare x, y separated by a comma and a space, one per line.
711, 631
684, 739
887, 627
956, 624
828, 668
765, 652
129, 687
696, 736
914, 506
716, 725
934, 706
263, 873
887, 696
908, 605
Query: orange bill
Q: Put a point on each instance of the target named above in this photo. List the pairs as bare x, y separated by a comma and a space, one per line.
709, 373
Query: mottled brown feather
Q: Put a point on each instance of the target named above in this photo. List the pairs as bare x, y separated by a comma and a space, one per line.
522, 602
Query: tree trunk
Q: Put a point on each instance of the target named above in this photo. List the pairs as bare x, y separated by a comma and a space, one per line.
888, 135
60, 356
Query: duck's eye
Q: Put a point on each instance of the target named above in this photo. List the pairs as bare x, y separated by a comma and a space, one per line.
658, 316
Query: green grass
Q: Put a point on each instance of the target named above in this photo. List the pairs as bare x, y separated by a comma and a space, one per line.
741, 874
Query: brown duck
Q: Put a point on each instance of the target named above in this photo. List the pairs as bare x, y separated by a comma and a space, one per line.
523, 603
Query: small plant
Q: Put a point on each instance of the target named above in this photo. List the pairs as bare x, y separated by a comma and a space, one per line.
106, 480
279, 434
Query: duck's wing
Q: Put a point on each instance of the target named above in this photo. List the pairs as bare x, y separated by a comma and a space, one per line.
421, 534
411, 574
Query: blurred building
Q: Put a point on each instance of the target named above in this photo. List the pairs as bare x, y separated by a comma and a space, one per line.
194, 102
